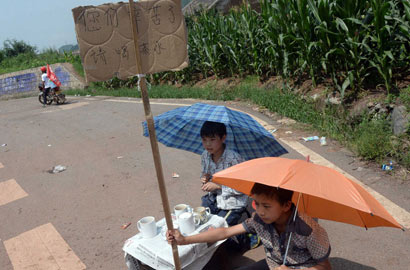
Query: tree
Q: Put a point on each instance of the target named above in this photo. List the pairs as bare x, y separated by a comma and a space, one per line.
14, 48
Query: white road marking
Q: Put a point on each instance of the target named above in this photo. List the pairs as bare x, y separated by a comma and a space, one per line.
152, 103
10, 191
48, 111
67, 107
42, 248
73, 105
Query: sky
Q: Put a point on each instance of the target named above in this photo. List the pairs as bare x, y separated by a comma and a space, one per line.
41, 23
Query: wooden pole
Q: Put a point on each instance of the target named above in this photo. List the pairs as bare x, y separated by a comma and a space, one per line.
152, 136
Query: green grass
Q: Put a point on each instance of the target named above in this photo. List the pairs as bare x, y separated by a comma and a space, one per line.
404, 97
30, 60
371, 139
75, 60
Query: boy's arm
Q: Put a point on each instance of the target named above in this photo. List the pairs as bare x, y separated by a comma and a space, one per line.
210, 186
324, 265
205, 174
211, 235
319, 247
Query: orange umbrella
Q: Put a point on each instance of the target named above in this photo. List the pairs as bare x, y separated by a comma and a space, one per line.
323, 192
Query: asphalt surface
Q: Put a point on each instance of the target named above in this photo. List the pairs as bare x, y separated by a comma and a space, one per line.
110, 180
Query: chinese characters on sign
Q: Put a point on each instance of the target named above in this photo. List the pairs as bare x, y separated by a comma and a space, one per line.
106, 43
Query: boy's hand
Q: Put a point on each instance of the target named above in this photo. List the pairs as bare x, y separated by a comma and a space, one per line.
205, 178
210, 186
174, 236
282, 267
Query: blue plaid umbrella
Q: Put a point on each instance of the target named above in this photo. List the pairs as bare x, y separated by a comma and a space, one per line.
180, 128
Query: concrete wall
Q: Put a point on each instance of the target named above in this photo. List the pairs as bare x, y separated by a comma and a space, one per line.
26, 81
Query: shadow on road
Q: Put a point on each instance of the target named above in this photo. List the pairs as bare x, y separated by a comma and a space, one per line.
343, 264
225, 259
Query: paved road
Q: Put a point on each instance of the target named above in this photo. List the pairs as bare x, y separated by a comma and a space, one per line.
72, 220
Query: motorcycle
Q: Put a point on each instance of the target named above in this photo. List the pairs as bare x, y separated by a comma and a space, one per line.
55, 94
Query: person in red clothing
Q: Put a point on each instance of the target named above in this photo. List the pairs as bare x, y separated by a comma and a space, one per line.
47, 84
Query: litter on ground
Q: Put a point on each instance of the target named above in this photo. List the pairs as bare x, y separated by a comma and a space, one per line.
125, 225
59, 168
312, 138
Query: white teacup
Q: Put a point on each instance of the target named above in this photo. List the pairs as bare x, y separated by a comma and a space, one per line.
147, 227
203, 213
187, 223
181, 208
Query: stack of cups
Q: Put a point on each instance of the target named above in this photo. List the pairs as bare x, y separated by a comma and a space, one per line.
186, 219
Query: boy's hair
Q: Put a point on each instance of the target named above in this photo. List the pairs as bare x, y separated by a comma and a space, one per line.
279, 194
212, 129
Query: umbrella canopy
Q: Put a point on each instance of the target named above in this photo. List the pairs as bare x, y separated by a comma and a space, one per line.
325, 193
180, 128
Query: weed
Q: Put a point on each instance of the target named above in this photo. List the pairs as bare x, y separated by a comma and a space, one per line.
372, 139
405, 97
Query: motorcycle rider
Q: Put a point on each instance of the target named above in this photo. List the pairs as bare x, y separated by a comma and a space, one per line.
47, 84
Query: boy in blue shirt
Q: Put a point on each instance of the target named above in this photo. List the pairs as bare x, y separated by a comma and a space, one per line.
221, 200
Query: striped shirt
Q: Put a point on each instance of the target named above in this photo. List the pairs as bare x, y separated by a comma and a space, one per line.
226, 197
309, 243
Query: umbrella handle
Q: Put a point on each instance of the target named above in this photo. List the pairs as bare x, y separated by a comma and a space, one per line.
287, 249
290, 236
228, 214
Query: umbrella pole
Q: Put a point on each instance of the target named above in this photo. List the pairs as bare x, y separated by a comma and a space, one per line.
152, 136
290, 236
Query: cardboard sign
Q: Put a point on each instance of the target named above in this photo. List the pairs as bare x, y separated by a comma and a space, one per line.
105, 38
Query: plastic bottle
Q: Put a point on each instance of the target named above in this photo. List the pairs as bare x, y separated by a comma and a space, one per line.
313, 138
389, 167
323, 141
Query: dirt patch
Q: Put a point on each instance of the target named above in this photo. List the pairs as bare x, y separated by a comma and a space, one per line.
364, 103
206, 81
229, 82
271, 82
404, 81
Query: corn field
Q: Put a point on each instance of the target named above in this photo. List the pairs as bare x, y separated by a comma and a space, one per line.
353, 44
